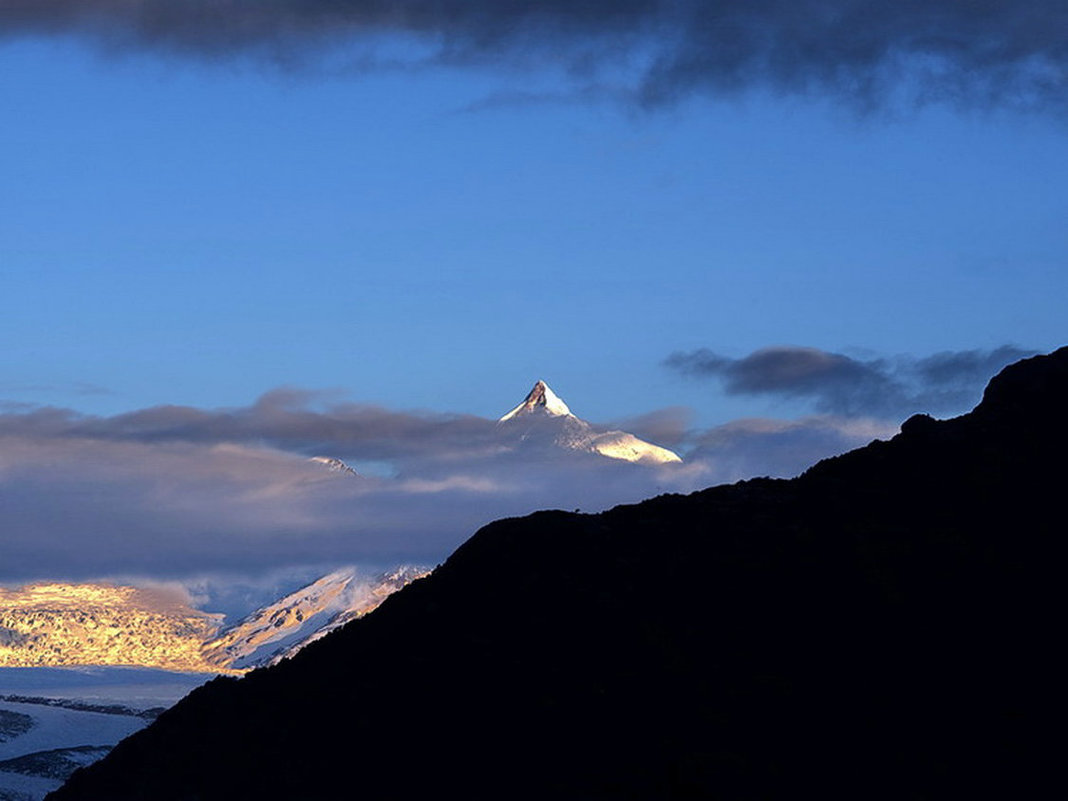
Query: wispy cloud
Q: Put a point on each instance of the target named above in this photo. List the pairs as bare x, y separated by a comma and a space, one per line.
971, 52
946, 382
781, 448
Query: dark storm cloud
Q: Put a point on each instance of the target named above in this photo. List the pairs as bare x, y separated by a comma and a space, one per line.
840, 384
953, 368
972, 52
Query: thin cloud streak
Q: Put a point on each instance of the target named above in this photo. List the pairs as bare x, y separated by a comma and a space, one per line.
977, 53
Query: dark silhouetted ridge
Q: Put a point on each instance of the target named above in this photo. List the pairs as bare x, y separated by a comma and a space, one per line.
883, 627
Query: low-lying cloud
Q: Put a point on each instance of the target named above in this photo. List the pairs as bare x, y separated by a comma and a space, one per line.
965, 52
173, 492
894, 388
178, 492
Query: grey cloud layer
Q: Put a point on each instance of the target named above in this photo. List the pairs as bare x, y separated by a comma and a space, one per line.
91, 509
284, 418
179, 491
890, 388
782, 448
978, 52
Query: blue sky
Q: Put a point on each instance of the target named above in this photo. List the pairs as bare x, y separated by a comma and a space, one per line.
182, 232
185, 221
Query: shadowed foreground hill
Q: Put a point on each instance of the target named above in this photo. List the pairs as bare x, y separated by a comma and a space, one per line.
882, 627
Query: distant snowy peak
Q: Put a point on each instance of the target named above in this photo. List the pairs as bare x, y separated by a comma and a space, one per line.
542, 400
336, 465
548, 416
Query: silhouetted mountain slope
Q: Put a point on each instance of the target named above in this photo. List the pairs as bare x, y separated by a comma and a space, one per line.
883, 626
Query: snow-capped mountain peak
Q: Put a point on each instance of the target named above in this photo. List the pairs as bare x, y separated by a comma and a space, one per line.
548, 419
540, 399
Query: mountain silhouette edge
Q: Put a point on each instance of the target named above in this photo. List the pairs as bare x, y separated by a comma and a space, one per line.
879, 627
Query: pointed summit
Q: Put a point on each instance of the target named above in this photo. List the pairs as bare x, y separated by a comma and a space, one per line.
540, 399
548, 419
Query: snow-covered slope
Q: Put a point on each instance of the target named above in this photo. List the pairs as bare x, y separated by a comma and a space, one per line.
55, 625
284, 627
44, 738
52, 727
41, 745
544, 416
54, 720
621, 445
